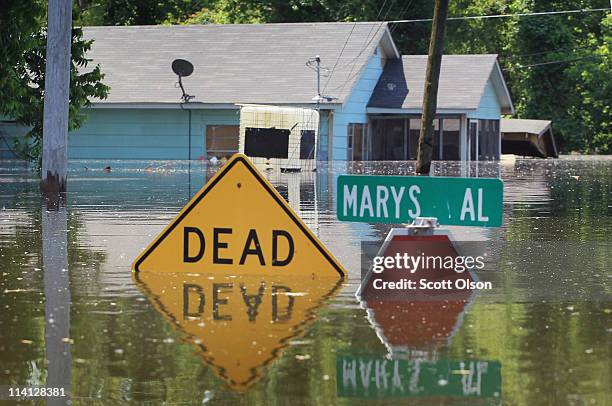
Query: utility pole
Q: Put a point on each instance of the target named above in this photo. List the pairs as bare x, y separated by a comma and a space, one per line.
57, 92
430, 95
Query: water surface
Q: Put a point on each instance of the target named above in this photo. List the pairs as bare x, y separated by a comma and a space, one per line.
71, 314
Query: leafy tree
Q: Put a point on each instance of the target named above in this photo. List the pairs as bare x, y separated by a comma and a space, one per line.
542, 85
137, 12
590, 118
557, 67
23, 44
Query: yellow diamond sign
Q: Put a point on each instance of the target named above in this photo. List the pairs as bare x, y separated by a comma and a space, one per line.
238, 224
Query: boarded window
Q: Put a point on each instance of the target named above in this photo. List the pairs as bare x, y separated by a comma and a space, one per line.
307, 144
221, 140
266, 142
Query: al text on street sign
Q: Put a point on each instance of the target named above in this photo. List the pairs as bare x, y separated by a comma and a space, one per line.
401, 199
238, 224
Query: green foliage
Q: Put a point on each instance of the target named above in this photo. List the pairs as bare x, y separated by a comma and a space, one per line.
591, 74
548, 83
137, 12
23, 44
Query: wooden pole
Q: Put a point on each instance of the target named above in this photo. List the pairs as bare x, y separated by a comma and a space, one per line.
430, 95
57, 91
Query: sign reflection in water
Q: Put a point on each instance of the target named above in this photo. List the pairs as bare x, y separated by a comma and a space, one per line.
238, 324
375, 377
415, 326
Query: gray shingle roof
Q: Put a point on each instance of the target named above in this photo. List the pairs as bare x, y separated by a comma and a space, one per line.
516, 125
462, 82
256, 63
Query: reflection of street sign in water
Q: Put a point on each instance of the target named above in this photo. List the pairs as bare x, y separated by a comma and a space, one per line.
417, 320
380, 377
239, 325
401, 199
414, 325
238, 223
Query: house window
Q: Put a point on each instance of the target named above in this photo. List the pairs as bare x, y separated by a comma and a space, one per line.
356, 143
488, 140
449, 142
389, 139
436, 148
472, 140
397, 139
221, 140
413, 137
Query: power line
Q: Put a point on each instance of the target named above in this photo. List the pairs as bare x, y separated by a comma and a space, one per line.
339, 56
347, 40
510, 56
370, 37
560, 61
367, 44
401, 13
482, 17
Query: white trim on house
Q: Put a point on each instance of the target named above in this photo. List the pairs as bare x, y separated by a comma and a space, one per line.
198, 106
499, 84
463, 137
388, 44
382, 110
190, 106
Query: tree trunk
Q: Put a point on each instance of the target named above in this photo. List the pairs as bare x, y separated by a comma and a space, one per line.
57, 91
430, 95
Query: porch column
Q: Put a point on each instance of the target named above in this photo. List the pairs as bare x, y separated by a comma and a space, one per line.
463, 139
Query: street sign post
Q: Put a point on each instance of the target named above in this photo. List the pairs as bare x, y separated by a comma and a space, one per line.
239, 224
401, 199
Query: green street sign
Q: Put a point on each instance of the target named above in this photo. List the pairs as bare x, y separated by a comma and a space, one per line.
372, 377
400, 199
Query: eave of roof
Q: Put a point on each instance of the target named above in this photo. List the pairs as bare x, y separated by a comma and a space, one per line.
517, 125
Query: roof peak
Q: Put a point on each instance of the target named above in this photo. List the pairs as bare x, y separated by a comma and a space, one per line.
171, 26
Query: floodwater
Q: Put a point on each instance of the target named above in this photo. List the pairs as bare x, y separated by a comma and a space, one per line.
73, 316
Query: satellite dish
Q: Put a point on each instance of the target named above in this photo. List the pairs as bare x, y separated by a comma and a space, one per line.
182, 67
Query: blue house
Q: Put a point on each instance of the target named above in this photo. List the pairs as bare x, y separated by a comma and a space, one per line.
372, 94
